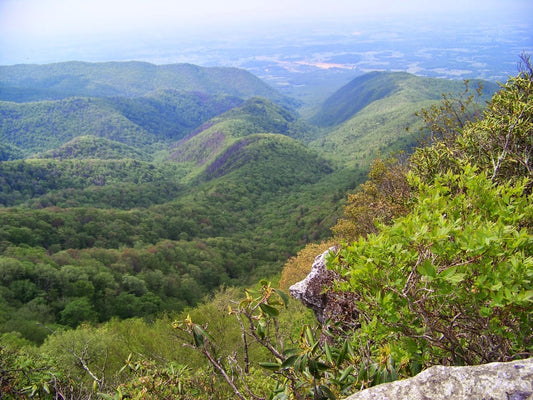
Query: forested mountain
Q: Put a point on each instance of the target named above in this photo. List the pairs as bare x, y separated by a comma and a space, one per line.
375, 113
146, 122
256, 115
129, 190
145, 162
374, 86
22, 83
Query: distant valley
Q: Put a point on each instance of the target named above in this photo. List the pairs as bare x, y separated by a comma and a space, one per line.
139, 189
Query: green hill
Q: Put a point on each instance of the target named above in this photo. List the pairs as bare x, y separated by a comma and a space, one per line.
125, 79
145, 123
90, 147
356, 95
269, 162
45, 125
374, 86
256, 115
371, 114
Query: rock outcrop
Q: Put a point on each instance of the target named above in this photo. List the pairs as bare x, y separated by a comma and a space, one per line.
494, 381
316, 291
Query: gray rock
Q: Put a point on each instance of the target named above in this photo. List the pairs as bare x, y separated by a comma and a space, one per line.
332, 308
494, 381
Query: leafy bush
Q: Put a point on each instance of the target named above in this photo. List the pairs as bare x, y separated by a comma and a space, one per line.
450, 282
500, 143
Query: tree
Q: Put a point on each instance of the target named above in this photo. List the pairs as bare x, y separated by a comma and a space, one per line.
382, 198
500, 144
78, 311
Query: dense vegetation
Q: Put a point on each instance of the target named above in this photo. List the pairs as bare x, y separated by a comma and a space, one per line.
146, 123
110, 245
23, 83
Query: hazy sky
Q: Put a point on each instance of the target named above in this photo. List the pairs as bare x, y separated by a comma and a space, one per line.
53, 17
28, 27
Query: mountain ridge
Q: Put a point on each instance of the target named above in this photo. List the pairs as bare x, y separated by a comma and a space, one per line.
128, 79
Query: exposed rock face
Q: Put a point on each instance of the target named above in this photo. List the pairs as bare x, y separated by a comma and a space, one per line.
335, 307
495, 381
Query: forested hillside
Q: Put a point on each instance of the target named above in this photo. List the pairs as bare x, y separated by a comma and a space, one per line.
375, 114
148, 123
133, 194
22, 83
174, 191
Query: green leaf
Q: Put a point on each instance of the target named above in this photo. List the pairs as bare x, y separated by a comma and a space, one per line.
426, 268
309, 336
269, 310
327, 350
485, 312
289, 362
200, 335
261, 328
456, 278
326, 393
525, 295
343, 353
346, 373
284, 296
269, 365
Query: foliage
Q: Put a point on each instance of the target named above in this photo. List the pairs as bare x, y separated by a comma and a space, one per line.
445, 120
500, 144
382, 198
297, 371
450, 282
148, 381
25, 375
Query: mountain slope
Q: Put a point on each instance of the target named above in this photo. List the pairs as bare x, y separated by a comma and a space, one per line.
269, 162
141, 122
125, 79
256, 115
355, 96
91, 147
371, 114
374, 86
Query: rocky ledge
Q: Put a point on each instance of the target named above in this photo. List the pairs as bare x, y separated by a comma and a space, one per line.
494, 381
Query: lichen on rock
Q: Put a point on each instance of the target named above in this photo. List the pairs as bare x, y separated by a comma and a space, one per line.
332, 308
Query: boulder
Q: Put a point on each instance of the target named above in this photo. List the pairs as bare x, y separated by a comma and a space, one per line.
494, 381
316, 291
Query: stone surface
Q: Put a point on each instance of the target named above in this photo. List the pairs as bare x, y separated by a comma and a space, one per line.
494, 381
331, 308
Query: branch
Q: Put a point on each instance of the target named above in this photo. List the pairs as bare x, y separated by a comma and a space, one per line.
221, 369
84, 365
505, 146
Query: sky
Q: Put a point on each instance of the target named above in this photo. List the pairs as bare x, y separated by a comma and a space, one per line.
54, 17
29, 25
